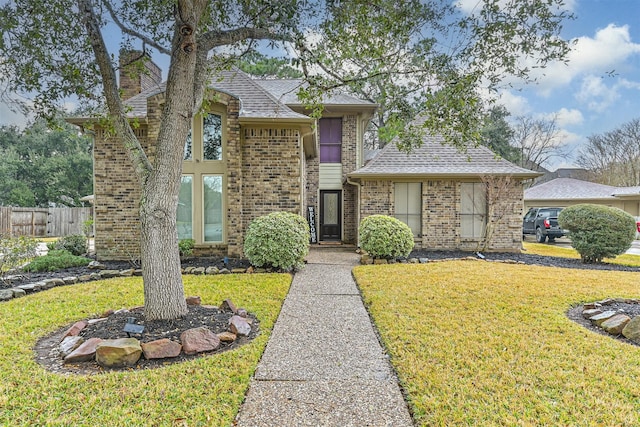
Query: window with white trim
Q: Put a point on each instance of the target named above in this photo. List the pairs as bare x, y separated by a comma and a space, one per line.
408, 205
201, 202
473, 210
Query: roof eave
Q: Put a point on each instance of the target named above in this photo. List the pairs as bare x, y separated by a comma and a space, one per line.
365, 175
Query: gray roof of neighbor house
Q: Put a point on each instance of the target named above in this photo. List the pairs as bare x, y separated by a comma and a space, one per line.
576, 189
256, 102
434, 158
569, 188
285, 90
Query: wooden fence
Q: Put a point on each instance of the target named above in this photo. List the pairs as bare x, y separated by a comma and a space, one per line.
43, 222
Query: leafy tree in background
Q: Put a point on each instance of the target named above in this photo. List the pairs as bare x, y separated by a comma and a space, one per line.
428, 56
260, 65
42, 166
497, 134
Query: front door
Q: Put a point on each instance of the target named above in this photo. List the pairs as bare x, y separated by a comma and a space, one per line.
330, 215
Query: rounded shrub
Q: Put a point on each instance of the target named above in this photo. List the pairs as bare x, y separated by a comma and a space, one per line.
383, 236
279, 240
598, 231
76, 244
56, 260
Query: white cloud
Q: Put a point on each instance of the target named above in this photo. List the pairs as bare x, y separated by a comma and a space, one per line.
596, 95
565, 117
608, 50
515, 104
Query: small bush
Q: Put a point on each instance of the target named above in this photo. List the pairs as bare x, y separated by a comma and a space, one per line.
56, 260
383, 236
597, 231
186, 246
15, 251
279, 240
76, 244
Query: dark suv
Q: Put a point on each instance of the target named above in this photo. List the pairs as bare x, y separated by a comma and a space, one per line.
543, 222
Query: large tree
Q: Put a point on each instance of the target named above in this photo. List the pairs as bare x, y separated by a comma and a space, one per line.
614, 156
430, 55
537, 141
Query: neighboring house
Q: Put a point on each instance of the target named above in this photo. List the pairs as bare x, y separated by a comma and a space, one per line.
441, 193
565, 192
256, 150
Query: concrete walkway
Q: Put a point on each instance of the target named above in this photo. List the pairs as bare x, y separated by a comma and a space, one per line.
323, 365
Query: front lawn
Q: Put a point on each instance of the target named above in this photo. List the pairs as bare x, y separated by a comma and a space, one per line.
206, 391
488, 344
551, 250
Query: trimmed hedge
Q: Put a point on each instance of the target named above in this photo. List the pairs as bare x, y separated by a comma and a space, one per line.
56, 260
382, 236
598, 231
279, 240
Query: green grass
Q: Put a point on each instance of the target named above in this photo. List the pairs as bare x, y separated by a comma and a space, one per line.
207, 391
551, 250
488, 344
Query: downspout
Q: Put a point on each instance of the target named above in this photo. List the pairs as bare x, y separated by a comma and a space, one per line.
357, 185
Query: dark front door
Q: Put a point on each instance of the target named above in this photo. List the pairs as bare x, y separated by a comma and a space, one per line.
330, 215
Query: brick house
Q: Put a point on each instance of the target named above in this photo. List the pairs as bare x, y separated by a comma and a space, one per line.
444, 194
256, 150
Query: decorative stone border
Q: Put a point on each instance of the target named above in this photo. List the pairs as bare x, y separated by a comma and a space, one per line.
601, 314
368, 260
101, 273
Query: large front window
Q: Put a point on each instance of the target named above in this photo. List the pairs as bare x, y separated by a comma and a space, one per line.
473, 209
202, 197
408, 205
330, 140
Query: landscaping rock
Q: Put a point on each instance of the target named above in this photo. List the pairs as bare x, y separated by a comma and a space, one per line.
588, 313
160, 349
96, 265
29, 287
84, 278
194, 300
227, 336
239, 326
17, 292
211, 270
238, 270
75, 329
52, 283
225, 271
379, 261
6, 294
108, 274
198, 340
227, 305
198, 270
69, 344
85, 352
137, 272
126, 273
599, 318
242, 313
118, 353
632, 330
615, 324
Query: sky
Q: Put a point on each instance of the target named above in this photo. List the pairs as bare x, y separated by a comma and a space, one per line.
596, 92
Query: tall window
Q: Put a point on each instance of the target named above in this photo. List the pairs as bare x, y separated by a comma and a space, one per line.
202, 198
330, 140
408, 205
473, 209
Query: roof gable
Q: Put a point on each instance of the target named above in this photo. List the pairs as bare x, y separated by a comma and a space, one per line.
576, 189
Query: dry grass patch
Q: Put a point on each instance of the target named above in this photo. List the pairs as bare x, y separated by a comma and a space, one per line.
205, 391
550, 250
488, 344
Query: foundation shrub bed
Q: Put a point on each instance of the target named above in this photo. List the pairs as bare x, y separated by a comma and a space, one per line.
76, 244
56, 260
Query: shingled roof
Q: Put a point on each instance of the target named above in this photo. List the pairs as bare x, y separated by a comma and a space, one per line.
256, 102
285, 90
434, 158
575, 189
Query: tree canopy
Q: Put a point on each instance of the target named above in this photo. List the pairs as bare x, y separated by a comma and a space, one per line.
428, 57
43, 166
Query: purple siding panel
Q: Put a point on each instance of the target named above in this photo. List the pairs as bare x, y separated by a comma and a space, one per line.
330, 140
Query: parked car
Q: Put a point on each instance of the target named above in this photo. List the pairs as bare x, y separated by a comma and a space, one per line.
543, 222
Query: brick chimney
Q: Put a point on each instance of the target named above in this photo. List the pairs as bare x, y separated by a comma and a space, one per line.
137, 73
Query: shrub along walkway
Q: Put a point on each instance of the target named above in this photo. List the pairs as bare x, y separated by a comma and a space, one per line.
323, 364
